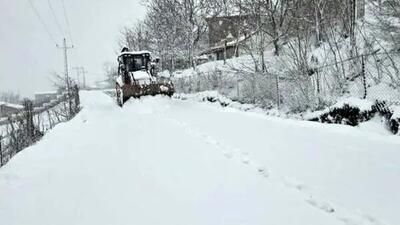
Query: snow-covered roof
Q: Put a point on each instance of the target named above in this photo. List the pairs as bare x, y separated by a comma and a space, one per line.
11, 105
46, 93
201, 57
135, 53
229, 44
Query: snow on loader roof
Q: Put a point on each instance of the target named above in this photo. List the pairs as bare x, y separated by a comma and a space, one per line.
134, 53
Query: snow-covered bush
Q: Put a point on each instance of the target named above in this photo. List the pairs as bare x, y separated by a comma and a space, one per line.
207, 96
351, 111
395, 120
217, 98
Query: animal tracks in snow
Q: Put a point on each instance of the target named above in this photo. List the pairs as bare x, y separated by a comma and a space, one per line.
294, 184
262, 171
344, 215
228, 152
320, 205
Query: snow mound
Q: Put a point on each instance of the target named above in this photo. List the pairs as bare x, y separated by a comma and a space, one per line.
362, 105
361, 113
396, 112
395, 120
375, 125
215, 97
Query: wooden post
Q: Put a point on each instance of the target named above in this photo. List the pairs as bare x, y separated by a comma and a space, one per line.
1, 151
198, 83
30, 127
225, 49
237, 87
278, 99
318, 89
76, 99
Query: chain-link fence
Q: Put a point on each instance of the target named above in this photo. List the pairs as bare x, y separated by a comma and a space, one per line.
372, 76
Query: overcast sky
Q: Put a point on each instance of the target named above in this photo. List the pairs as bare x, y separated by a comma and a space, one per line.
28, 54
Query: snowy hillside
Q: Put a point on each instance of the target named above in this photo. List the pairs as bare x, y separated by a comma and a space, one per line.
308, 75
168, 161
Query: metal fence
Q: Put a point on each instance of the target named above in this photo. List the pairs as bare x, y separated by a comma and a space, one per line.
374, 76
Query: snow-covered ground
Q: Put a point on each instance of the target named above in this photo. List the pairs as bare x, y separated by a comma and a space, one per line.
168, 161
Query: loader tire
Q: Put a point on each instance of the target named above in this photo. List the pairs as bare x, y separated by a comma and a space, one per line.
119, 95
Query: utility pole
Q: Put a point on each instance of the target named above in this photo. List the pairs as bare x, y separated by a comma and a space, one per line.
1, 151
65, 48
81, 72
78, 72
84, 72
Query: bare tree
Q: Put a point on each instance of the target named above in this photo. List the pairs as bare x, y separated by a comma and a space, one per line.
135, 37
10, 97
111, 72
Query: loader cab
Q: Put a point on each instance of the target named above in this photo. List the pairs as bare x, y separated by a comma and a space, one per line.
137, 76
135, 61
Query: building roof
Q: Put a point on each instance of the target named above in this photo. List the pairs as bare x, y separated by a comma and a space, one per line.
46, 93
11, 105
229, 44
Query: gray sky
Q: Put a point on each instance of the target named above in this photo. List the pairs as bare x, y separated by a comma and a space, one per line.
28, 54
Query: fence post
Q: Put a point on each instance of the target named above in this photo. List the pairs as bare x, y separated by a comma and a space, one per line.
237, 87
318, 88
30, 127
278, 99
198, 83
76, 98
363, 76
1, 151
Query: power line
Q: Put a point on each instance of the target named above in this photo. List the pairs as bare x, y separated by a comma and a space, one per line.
42, 21
67, 21
55, 17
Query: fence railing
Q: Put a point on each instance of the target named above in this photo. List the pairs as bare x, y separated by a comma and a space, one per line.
374, 76
24, 128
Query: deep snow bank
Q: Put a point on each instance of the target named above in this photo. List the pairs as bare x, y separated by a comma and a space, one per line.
348, 111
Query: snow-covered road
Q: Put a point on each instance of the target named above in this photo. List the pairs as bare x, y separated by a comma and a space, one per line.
171, 162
